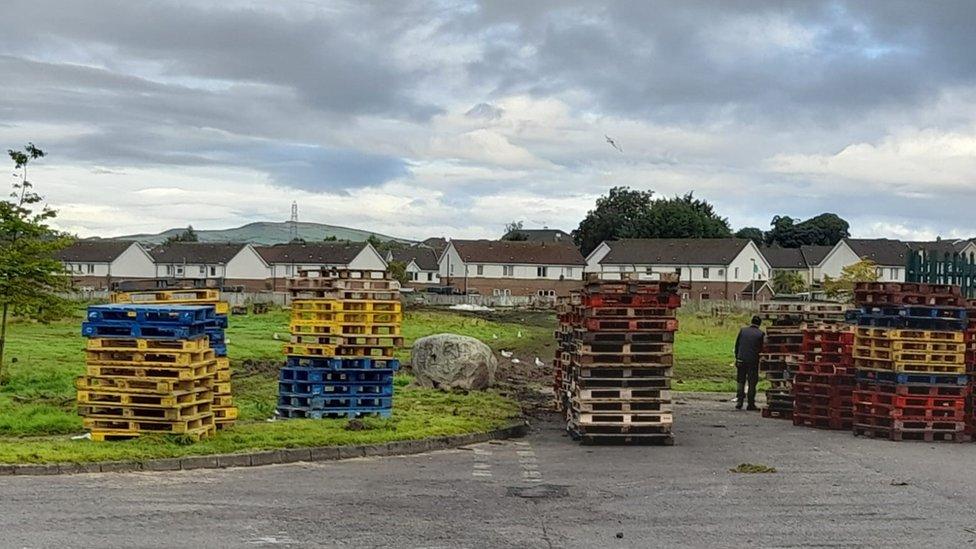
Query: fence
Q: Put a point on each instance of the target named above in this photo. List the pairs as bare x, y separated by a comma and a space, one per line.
420, 298
279, 299
942, 268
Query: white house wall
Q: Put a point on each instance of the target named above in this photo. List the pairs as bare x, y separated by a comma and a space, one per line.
133, 263
450, 263
78, 268
247, 265
841, 256
368, 259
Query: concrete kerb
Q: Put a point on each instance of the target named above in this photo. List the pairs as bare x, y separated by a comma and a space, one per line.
284, 455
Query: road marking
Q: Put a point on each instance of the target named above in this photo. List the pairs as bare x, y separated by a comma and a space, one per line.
481, 468
528, 461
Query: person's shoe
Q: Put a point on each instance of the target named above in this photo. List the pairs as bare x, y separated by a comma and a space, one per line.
752, 408
738, 405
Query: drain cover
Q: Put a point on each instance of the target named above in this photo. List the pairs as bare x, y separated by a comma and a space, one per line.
539, 491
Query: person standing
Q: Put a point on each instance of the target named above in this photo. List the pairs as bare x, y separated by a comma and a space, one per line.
748, 345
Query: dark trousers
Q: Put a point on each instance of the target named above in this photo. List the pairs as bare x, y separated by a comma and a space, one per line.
746, 373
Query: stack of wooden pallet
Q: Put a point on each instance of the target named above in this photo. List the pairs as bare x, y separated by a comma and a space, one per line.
823, 385
150, 370
225, 413
345, 328
909, 351
783, 353
615, 360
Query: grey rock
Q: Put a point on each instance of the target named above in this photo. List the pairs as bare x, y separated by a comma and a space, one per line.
451, 361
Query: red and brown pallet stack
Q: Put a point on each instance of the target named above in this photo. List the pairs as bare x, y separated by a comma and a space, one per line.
969, 339
910, 355
785, 354
823, 387
614, 360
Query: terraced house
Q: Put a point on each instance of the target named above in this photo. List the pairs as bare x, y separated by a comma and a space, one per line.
731, 269
516, 268
97, 264
287, 260
421, 265
211, 264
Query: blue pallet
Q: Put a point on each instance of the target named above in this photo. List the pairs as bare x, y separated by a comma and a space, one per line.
151, 314
319, 375
324, 402
138, 330
916, 311
216, 336
344, 363
219, 349
302, 413
911, 322
305, 389
902, 378
218, 322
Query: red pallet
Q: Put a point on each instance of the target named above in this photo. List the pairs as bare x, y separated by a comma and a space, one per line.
598, 299
817, 422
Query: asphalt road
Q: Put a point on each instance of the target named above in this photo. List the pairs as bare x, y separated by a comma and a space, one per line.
830, 489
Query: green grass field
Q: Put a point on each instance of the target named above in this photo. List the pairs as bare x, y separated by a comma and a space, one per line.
37, 406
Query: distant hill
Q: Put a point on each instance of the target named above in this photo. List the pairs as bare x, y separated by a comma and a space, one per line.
266, 233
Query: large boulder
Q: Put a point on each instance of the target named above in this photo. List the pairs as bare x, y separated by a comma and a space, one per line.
451, 361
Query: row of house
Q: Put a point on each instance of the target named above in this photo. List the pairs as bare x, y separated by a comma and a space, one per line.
541, 265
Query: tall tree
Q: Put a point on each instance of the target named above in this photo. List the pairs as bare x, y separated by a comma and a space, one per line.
627, 213
751, 233
825, 229
30, 275
842, 287
513, 231
189, 235
788, 283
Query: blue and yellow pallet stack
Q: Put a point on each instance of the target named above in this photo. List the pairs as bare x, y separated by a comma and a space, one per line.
149, 370
345, 328
225, 413
909, 355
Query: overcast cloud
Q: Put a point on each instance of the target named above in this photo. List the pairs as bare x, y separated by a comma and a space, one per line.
422, 119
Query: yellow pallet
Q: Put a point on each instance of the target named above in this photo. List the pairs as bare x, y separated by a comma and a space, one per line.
223, 363
921, 345
222, 401
309, 350
153, 400
221, 388
200, 371
132, 344
325, 317
149, 357
226, 414
124, 412
223, 375
195, 434
374, 341
141, 385
907, 334
318, 328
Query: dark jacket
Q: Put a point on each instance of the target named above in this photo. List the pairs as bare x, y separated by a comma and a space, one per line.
748, 345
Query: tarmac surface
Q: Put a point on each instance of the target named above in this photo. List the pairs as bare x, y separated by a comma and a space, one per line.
830, 489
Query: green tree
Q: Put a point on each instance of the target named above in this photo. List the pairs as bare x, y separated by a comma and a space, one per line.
826, 229
513, 231
189, 235
398, 270
627, 213
788, 283
30, 275
842, 287
751, 233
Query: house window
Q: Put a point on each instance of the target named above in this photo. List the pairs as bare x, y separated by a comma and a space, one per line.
430, 277
481, 270
179, 271
203, 270
542, 272
684, 295
289, 269
508, 270
169, 269
649, 270
894, 274
704, 272
412, 276
213, 271
879, 271
91, 268
721, 272
705, 296
736, 273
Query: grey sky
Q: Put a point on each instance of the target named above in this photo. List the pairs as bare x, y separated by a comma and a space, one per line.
453, 118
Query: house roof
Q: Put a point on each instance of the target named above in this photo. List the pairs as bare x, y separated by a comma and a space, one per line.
755, 287
814, 255
94, 251
674, 251
522, 252
196, 252
784, 258
945, 246
425, 257
329, 253
543, 235
882, 251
